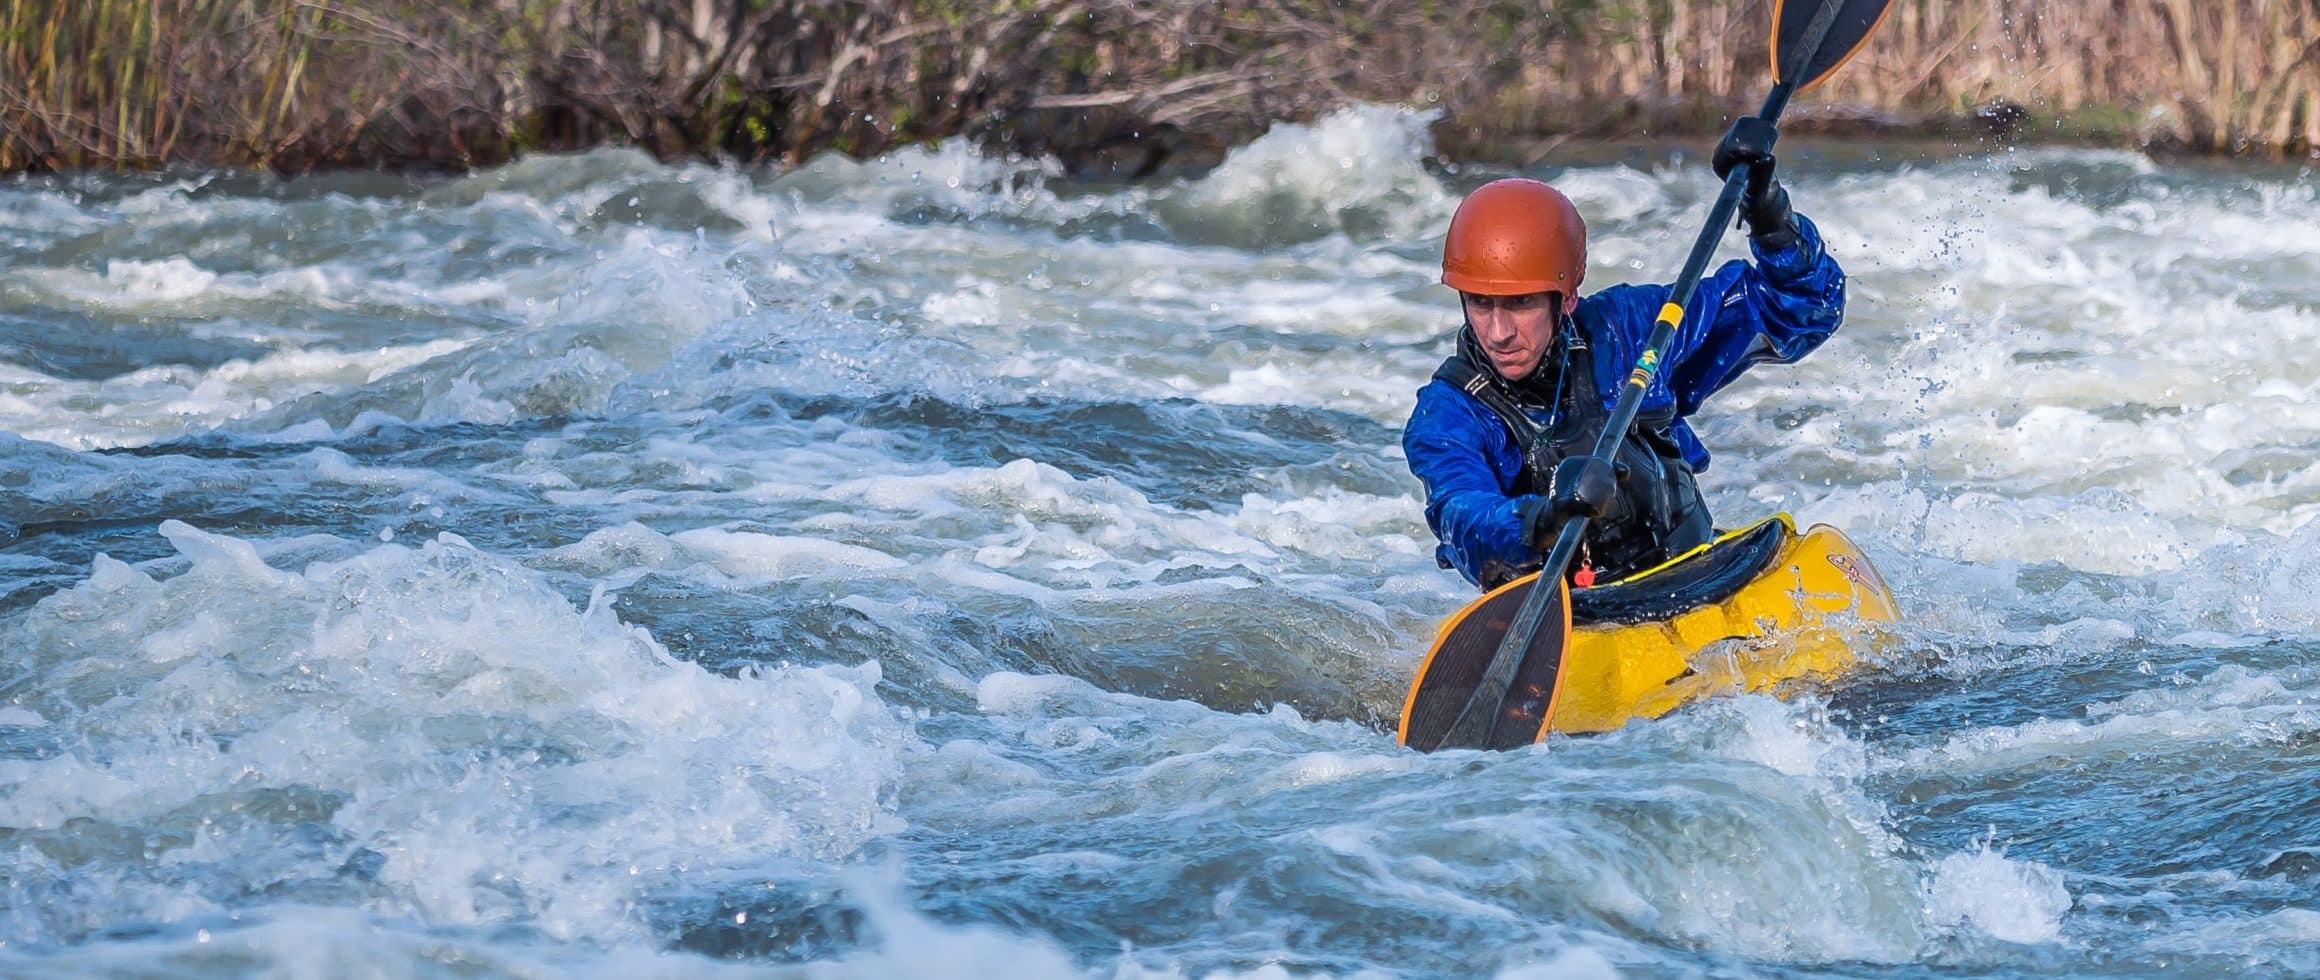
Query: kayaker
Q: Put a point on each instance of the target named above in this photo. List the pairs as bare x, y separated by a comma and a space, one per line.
1502, 432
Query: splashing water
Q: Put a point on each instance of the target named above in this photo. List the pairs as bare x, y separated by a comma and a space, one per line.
931, 565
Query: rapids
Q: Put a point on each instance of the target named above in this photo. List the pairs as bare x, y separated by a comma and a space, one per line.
933, 565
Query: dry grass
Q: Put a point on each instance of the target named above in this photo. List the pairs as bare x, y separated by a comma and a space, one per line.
295, 84
144, 83
2228, 75
2236, 76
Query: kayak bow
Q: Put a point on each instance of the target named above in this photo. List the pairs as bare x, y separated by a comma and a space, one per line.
1745, 612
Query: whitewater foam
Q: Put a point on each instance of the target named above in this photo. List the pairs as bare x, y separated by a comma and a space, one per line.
2009, 900
500, 755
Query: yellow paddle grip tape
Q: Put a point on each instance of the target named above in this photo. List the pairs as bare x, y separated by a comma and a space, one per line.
1645, 367
1648, 365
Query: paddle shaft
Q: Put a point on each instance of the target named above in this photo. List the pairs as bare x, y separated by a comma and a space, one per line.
1482, 712
1671, 316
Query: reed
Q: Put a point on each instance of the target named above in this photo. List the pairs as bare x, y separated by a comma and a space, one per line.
238, 83
2221, 75
2235, 76
296, 84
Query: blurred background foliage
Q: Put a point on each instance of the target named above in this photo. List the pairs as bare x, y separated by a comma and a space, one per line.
1123, 87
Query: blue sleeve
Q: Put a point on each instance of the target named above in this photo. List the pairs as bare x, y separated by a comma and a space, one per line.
1469, 463
1777, 309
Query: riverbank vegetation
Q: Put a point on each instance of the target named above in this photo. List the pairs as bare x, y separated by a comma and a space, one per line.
1119, 86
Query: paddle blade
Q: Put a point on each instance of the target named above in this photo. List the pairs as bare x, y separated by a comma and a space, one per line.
1812, 38
1462, 651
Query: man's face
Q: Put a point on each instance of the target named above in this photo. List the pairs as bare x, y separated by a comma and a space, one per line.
1514, 330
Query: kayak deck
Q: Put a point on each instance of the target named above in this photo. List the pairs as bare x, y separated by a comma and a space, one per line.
1756, 607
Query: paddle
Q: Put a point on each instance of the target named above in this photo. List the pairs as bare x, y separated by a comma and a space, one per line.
1810, 40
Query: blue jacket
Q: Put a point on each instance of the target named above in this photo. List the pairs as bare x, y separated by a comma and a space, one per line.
1778, 309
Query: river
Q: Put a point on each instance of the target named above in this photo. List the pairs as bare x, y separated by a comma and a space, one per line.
938, 566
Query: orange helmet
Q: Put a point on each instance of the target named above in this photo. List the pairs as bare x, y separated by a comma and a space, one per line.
1513, 237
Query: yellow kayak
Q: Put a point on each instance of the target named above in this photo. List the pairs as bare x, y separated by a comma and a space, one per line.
1744, 612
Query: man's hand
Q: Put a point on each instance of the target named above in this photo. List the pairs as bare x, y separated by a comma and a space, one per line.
1764, 205
1583, 486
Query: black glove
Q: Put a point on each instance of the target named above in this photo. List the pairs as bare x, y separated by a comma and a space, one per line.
1764, 205
1583, 486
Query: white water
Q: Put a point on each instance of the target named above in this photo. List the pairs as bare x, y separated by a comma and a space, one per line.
928, 565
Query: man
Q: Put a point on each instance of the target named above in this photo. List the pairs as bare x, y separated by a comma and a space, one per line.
1502, 433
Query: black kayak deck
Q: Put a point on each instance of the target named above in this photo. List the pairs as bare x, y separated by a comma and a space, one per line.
1707, 578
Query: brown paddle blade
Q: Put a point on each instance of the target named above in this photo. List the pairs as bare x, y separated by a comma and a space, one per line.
1811, 38
1464, 652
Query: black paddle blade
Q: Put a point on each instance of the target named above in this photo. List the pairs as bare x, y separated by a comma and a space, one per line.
1462, 655
1811, 38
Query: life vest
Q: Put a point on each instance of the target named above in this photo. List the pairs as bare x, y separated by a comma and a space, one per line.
1659, 512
